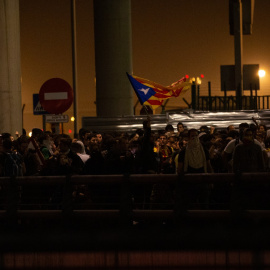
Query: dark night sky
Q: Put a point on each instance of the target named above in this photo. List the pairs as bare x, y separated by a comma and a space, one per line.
170, 38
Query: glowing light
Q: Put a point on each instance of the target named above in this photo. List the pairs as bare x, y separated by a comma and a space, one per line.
30, 134
69, 131
72, 118
261, 73
202, 76
187, 76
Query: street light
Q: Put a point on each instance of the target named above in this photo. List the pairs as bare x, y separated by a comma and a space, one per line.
261, 73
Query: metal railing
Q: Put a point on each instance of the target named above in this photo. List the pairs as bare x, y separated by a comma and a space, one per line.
226, 102
229, 103
126, 197
118, 223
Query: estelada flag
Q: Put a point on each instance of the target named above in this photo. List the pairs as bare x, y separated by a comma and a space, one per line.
153, 94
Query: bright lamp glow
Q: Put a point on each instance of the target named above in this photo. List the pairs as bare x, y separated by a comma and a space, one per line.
261, 73
72, 118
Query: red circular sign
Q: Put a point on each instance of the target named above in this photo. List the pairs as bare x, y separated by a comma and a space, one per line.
56, 96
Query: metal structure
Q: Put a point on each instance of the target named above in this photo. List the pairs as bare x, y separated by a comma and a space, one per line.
126, 236
190, 118
228, 103
17, 204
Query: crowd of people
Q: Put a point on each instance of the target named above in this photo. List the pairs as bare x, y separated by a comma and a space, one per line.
204, 150
169, 151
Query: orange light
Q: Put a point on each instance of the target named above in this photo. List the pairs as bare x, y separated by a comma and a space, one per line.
261, 73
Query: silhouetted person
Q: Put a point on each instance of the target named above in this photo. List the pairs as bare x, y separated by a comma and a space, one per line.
248, 156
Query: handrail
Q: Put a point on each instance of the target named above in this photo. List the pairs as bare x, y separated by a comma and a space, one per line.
124, 208
140, 178
248, 102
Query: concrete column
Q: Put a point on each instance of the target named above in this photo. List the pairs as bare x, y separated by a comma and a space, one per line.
113, 57
10, 68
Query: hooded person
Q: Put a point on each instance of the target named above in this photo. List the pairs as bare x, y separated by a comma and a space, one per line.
79, 149
194, 158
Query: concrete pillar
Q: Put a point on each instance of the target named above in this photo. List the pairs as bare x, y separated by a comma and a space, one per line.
10, 68
113, 57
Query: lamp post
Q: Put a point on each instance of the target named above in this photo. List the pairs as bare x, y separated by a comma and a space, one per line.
74, 62
238, 50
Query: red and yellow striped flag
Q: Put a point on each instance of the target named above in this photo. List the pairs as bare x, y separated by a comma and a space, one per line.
153, 94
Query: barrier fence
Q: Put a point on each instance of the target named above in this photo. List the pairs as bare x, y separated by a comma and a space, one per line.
228, 103
213, 234
132, 198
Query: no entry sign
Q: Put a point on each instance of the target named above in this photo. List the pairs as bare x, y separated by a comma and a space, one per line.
56, 96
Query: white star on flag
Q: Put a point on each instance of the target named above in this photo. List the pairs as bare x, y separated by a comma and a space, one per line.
145, 91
